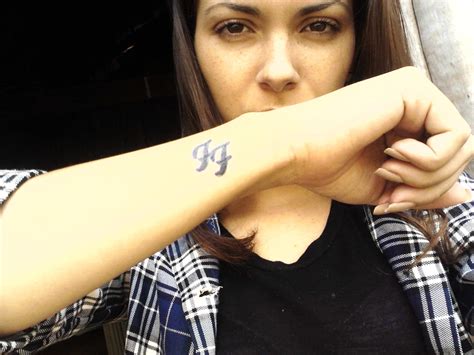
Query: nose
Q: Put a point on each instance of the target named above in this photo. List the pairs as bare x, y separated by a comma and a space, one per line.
278, 72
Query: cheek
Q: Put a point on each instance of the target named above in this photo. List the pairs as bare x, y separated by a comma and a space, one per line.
228, 78
326, 69
221, 67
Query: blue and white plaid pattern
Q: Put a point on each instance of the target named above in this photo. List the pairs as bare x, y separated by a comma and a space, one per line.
10, 180
427, 285
173, 295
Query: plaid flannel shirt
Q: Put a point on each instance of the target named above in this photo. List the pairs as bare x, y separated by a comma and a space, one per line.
170, 300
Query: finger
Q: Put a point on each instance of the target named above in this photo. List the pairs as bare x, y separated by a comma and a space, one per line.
428, 108
455, 195
443, 116
405, 173
438, 150
384, 199
431, 196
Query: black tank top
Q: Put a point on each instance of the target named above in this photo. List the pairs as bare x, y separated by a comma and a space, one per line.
340, 297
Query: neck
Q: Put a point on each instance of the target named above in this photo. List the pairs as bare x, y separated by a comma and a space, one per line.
285, 220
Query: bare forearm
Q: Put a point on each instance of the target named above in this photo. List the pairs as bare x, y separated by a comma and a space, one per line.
69, 231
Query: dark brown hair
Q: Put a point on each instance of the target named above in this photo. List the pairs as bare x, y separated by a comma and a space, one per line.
381, 46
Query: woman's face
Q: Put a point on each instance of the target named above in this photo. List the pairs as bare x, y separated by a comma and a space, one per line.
258, 55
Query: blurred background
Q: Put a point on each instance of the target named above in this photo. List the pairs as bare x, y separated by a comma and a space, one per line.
80, 81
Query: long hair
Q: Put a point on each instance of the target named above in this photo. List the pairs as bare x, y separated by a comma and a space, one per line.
381, 46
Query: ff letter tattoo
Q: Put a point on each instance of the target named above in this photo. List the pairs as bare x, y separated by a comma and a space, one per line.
217, 155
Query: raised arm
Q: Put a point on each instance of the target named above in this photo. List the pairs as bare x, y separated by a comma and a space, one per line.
67, 232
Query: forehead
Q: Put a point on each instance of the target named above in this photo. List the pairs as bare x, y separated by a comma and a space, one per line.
209, 5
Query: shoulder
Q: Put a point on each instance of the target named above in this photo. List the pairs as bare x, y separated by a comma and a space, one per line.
461, 217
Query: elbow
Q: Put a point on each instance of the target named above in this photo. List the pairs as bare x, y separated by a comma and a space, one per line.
7, 324
10, 322
12, 319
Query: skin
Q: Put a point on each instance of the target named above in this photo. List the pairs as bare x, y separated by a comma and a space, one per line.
107, 231
256, 63
259, 62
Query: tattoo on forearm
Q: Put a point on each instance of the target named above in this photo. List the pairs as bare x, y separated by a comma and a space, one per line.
217, 155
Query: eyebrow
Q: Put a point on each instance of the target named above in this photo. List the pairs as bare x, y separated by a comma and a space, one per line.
250, 10
319, 7
236, 7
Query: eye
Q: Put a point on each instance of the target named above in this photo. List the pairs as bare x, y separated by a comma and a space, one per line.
322, 26
318, 26
232, 28
235, 27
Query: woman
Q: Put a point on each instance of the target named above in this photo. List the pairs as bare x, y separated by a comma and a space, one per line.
274, 171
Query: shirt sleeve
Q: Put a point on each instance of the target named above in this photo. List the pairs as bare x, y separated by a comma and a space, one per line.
461, 231
10, 180
105, 304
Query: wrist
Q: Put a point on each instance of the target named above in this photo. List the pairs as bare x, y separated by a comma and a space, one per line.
270, 149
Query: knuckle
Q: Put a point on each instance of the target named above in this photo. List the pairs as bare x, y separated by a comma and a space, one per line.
411, 72
421, 184
470, 144
462, 134
436, 163
466, 131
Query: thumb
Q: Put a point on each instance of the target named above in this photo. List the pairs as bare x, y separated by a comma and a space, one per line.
455, 195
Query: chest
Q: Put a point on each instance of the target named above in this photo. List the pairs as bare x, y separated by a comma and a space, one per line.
185, 282
340, 295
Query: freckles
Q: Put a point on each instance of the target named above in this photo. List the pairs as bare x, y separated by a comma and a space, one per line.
212, 70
